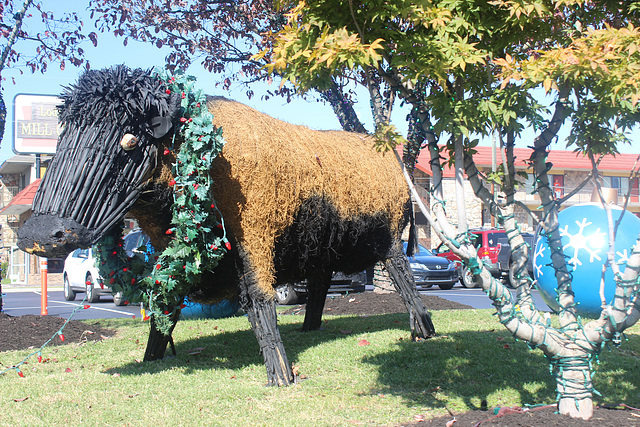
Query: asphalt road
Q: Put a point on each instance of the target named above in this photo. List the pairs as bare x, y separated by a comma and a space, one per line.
17, 302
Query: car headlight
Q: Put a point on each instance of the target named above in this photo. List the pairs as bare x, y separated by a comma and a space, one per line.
417, 266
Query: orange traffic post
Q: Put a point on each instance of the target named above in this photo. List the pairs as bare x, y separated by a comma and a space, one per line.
44, 269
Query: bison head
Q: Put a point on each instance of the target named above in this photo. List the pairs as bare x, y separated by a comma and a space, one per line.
112, 122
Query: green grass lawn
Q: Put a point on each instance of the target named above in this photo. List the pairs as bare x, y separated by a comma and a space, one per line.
218, 377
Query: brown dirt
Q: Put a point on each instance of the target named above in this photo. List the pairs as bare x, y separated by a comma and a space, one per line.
32, 331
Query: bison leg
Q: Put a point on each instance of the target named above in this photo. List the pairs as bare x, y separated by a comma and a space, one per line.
398, 267
317, 288
157, 343
262, 315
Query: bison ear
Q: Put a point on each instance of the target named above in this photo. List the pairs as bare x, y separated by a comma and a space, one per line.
160, 125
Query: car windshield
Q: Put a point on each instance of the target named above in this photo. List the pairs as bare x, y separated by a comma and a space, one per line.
424, 251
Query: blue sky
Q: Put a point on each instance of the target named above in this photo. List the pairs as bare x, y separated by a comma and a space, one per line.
110, 51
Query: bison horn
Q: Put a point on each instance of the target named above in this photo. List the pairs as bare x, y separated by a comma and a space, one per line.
128, 142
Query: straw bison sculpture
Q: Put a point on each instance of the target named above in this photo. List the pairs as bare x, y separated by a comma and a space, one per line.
297, 204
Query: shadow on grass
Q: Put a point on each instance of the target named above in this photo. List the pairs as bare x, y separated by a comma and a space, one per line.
470, 365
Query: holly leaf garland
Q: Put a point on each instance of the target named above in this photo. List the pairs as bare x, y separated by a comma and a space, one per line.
197, 229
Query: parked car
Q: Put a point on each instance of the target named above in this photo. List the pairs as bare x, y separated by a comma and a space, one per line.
505, 260
493, 248
80, 274
487, 243
294, 293
429, 269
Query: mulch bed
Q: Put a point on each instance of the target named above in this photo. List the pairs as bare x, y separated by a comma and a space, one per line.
32, 331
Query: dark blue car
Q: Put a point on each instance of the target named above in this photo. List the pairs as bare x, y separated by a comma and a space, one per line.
429, 269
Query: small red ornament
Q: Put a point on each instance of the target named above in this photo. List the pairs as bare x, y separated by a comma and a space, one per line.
114, 253
169, 231
213, 206
199, 138
102, 284
111, 281
214, 247
133, 317
39, 359
20, 374
88, 283
112, 273
61, 337
145, 318
219, 225
158, 282
125, 270
166, 312
168, 91
184, 267
172, 182
195, 186
183, 95
182, 306
158, 267
198, 225
133, 281
166, 151
183, 119
86, 306
198, 105
227, 245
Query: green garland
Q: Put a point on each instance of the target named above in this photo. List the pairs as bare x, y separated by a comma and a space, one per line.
199, 237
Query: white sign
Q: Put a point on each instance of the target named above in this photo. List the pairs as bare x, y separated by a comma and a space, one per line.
35, 124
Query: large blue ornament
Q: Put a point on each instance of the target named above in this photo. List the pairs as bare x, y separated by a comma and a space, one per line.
585, 238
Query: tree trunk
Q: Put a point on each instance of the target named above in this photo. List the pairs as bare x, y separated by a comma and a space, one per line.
573, 383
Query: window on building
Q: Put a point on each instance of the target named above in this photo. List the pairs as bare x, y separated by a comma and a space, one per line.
557, 183
621, 183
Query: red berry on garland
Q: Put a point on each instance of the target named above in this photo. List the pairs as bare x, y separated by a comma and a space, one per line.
158, 282
198, 105
158, 267
166, 312
227, 245
219, 225
198, 225
195, 186
183, 119
20, 374
169, 231
183, 95
114, 253
39, 359
172, 182
168, 91
112, 273
125, 270
61, 337
133, 281
213, 206
166, 151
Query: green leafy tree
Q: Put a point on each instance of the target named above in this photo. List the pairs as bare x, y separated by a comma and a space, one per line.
456, 63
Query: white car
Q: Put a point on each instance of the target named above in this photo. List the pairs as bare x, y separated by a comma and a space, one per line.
81, 275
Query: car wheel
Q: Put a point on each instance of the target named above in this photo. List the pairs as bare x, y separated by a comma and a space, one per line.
446, 286
118, 299
69, 294
91, 292
286, 295
468, 281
